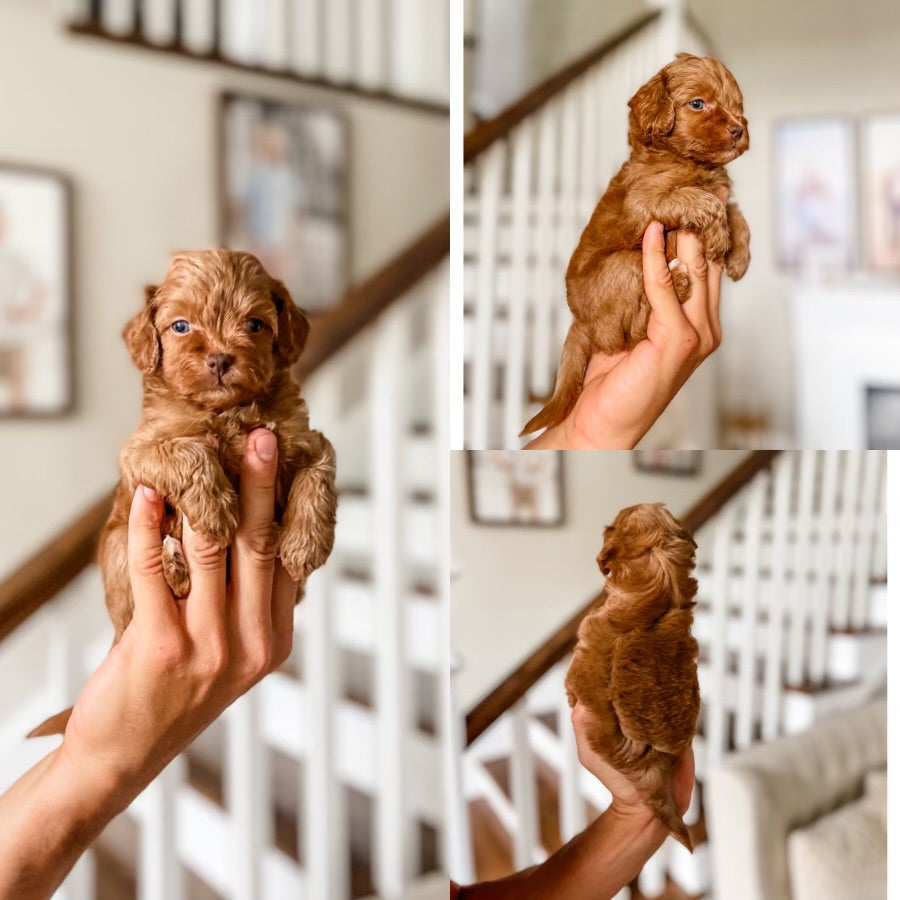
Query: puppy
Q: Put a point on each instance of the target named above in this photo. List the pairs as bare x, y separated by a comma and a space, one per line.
215, 343
685, 123
635, 664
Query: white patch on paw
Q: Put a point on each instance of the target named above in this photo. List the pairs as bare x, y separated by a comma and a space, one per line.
171, 545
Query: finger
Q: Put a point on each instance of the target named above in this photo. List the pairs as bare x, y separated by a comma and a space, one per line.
284, 599
205, 607
658, 283
696, 307
153, 601
714, 282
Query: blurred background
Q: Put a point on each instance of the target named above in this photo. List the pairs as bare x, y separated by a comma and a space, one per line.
806, 359
315, 135
791, 617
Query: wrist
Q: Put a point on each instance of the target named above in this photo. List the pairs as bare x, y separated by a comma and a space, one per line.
91, 788
638, 819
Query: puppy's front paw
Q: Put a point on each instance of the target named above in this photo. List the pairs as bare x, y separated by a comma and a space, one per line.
302, 549
212, 512
716, 241
703, 213
737, 262
175, 567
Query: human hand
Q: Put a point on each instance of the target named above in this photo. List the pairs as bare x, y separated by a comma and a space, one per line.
180, 663
624, 393
626, 800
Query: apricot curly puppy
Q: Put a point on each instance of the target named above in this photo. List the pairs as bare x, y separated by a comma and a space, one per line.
215, 342
635, 664
685, 123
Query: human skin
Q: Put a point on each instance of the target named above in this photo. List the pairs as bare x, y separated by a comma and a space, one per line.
625, 393
179, 664
597, 863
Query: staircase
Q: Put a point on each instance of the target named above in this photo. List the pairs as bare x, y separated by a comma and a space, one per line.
791, 621
325, 780
533, 177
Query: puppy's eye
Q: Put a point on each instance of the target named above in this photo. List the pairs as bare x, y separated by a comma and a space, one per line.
696, 104
181, 326
254, 325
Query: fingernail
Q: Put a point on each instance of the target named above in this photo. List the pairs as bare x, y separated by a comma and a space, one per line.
657, 227
266, 446
150, 494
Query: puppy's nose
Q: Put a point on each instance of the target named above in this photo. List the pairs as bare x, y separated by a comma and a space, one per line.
737, 132
219, 363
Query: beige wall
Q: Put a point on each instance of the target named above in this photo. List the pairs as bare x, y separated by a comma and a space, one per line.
135, 133
517, 585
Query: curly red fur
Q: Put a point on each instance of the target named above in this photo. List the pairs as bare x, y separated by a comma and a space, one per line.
677, 164
635, 664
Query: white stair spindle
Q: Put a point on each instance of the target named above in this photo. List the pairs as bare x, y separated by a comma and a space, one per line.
772, 689
490, 185
652, 878
370, 24
248, 794
825, 569
848, 522
306, 37
864, 555
159, 872
241, 31
117, 16
800, 594
275, 30
567, 224
526, 840
746, 715
588, 196
716, 698
197, 26
338, 63
158, 21
521, 147
390, 850
572, 807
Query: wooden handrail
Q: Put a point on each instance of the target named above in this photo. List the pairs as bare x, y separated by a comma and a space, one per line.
479, 138
55, 565
517, 684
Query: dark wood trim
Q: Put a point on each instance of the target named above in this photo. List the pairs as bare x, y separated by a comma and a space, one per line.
514, 687
363, 304
43, 576
137, 41
490, 130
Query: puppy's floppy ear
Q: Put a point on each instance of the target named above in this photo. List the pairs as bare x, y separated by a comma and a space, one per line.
141, 338
606, 558
293, 326
652, 109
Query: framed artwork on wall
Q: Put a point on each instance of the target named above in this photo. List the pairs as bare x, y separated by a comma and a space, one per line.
35, 293
284, 176
516, 488
880, 168
668, 462
816, 195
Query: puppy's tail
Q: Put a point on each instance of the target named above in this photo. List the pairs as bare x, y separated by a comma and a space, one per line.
54, 725
658, 796
576, 353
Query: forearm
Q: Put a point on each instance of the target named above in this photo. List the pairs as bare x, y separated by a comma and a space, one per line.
594, 865
48, 818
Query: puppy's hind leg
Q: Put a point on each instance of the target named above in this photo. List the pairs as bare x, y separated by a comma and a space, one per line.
175, 567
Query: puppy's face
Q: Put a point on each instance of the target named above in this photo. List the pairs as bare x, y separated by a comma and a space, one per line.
694, 108
217, 329
636, 531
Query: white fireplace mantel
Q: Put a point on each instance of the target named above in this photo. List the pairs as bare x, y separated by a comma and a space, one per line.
845, 338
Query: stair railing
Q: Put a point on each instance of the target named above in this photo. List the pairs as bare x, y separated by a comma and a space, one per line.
790, 619
533, 176
375, 379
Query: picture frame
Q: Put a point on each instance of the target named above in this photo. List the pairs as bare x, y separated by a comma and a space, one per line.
880, 176
511, 488
668, 462
284, 192
36, 342
816, 196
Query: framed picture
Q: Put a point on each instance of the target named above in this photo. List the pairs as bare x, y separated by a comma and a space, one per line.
516, 488
35, 293
815, 195
668, 462
284, 184
880, 168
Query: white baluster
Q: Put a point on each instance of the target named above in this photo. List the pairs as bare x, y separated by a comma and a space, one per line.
248, 794
716, 698
588, 195
652, 877
526, 840
197, 25
159, 872
370, 24
567, 221
781, 511
746, 714
521, 147
865, 543
241, 36
848, 522
825, 569
392, 827
274, 39
117, 16
879, 562
338, 64
489, 187
572, 807
544, 348
801, 597
158, 21
306, 37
